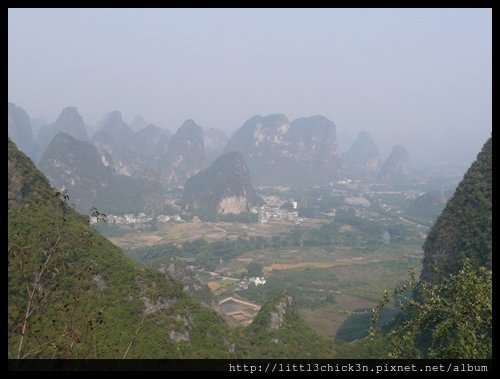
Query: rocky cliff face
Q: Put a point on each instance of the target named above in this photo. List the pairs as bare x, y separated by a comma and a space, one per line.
279, 330
185, 155
122, 160
363, 158
19, 129
282, 152
278, 314
193, 285
126, 152
397, 165
223, 188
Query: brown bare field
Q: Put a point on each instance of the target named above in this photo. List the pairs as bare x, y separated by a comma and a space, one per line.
136, 240
149, 238
336, 262
294, 266
213, 285
179, 232
345, 228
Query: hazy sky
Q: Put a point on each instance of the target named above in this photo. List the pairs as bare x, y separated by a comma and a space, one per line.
417, 77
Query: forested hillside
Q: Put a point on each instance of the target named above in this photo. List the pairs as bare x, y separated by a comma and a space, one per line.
449, 314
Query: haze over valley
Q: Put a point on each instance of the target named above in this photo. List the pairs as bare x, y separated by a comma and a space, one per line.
190, 192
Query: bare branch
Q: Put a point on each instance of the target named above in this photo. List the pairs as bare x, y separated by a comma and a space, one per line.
134, 337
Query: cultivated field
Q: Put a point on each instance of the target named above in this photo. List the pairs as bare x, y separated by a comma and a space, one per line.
335, 286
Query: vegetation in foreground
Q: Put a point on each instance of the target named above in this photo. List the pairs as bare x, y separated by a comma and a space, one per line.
73, 294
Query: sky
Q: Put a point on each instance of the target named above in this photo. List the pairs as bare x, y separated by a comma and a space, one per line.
421, 78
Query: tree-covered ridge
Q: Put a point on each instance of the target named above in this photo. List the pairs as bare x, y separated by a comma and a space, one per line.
72, 293
448, 313
25, 182
464, 227
451, 319
279, 331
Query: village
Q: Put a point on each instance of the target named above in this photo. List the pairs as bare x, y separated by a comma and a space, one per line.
140, 218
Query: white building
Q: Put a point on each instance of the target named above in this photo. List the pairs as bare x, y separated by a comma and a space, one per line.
162, 218
257, 281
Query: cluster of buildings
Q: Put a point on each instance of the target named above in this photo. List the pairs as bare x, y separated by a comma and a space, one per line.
273, 188
136, 219
342, 182
256, 281
267, 213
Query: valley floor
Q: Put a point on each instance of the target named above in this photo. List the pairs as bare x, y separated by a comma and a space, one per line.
335, 286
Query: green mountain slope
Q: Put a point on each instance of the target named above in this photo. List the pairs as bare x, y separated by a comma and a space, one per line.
278, 331
449, 313
72, 294
464, 227
426, 208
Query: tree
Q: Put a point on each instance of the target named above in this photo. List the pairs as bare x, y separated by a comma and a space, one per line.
451, 319
254, 269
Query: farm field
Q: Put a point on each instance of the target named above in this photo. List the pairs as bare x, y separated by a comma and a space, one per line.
133, 236
329, 287
338, 271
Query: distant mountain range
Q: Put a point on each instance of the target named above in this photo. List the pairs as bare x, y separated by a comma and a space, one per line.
275, 151
91, 180
279, 151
